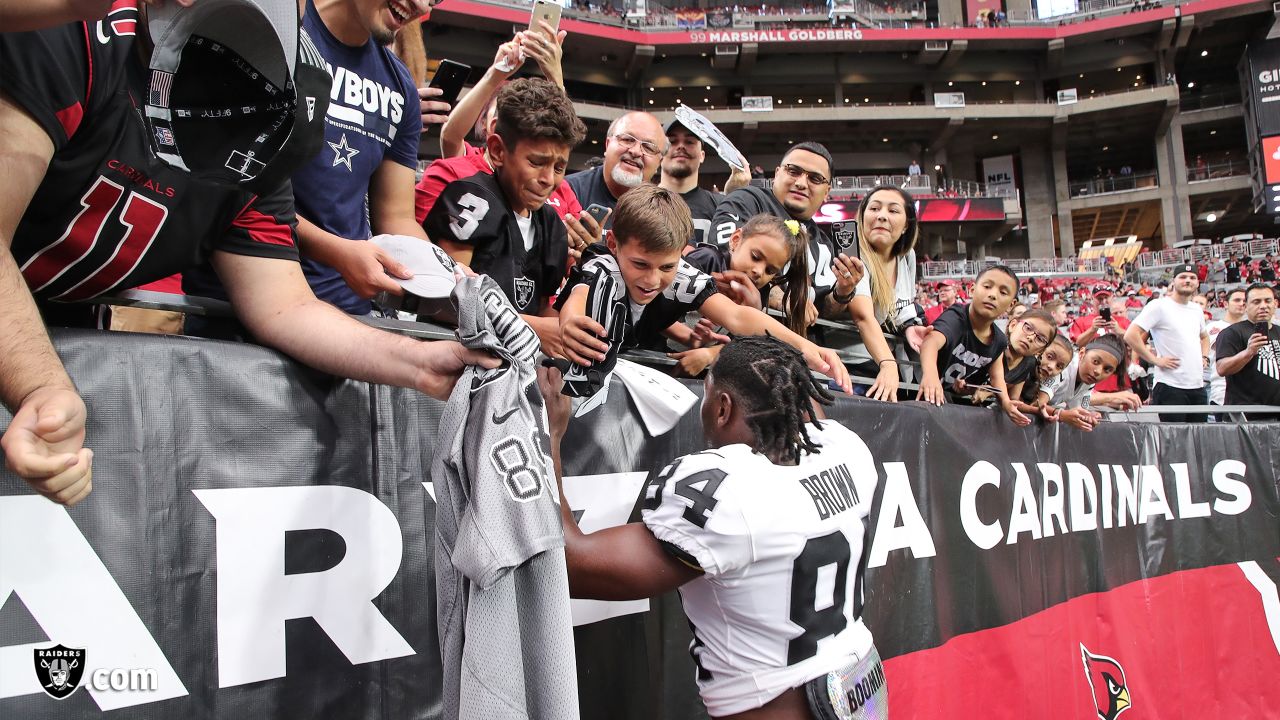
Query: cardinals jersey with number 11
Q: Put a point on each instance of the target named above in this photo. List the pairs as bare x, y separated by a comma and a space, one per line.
781, 552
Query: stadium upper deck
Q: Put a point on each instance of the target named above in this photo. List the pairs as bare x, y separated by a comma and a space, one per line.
1154, 144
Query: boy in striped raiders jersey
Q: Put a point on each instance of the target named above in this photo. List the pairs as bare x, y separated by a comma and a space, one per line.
653, 287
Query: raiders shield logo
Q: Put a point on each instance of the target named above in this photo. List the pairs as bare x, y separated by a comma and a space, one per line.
845, 233
524, 292
59, 669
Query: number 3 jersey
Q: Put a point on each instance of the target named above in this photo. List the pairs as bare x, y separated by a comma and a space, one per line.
526, 257
108, 215
781, 550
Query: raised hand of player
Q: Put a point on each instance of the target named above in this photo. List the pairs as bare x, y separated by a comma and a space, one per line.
738, 287
583, 339
44, 445
368, 269
441, 363
691, 363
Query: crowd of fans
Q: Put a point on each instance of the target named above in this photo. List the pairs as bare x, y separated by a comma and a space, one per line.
300, 213
753, 261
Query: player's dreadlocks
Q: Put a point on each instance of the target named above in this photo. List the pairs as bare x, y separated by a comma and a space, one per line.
770, 379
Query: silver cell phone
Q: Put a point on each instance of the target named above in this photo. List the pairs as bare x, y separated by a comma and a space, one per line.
548, 11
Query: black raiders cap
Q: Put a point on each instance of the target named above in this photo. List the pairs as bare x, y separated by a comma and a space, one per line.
238, 93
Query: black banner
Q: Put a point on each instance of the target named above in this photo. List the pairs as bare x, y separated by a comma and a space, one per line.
259, 539
1263, 67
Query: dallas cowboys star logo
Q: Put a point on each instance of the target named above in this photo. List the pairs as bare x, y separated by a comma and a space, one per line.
342, 153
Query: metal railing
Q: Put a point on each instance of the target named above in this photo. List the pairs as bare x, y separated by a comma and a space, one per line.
1114, 183
844, 186
1029, 267
1207, 253
1190, 103
1089, 10
1215, 170
848, 332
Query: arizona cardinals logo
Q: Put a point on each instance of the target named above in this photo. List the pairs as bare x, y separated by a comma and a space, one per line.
1106, 680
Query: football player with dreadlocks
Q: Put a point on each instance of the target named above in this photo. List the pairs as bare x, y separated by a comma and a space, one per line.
746, 530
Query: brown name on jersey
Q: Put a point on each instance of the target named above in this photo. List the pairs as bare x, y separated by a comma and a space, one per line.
832, 491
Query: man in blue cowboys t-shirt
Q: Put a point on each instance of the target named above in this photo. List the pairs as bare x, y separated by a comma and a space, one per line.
370, 150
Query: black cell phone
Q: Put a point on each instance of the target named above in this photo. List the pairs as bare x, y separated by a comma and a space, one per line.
598, 212
1105, 313
450, 77
1262, 328
845, 234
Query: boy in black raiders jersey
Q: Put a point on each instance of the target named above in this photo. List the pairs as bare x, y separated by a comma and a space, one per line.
965, 347
500, 224
653, 287
743, 529
92, 205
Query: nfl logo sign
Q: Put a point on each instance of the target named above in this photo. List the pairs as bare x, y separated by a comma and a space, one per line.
164, 136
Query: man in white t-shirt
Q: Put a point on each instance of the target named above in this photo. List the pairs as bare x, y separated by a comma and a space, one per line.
1176, 326
1235, 313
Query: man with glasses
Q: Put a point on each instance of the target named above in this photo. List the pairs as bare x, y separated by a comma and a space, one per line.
635, 146
800, 186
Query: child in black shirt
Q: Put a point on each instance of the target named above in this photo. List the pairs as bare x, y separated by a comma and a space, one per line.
965, 347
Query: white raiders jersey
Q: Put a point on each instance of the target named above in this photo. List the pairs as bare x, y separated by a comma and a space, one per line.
781, 549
